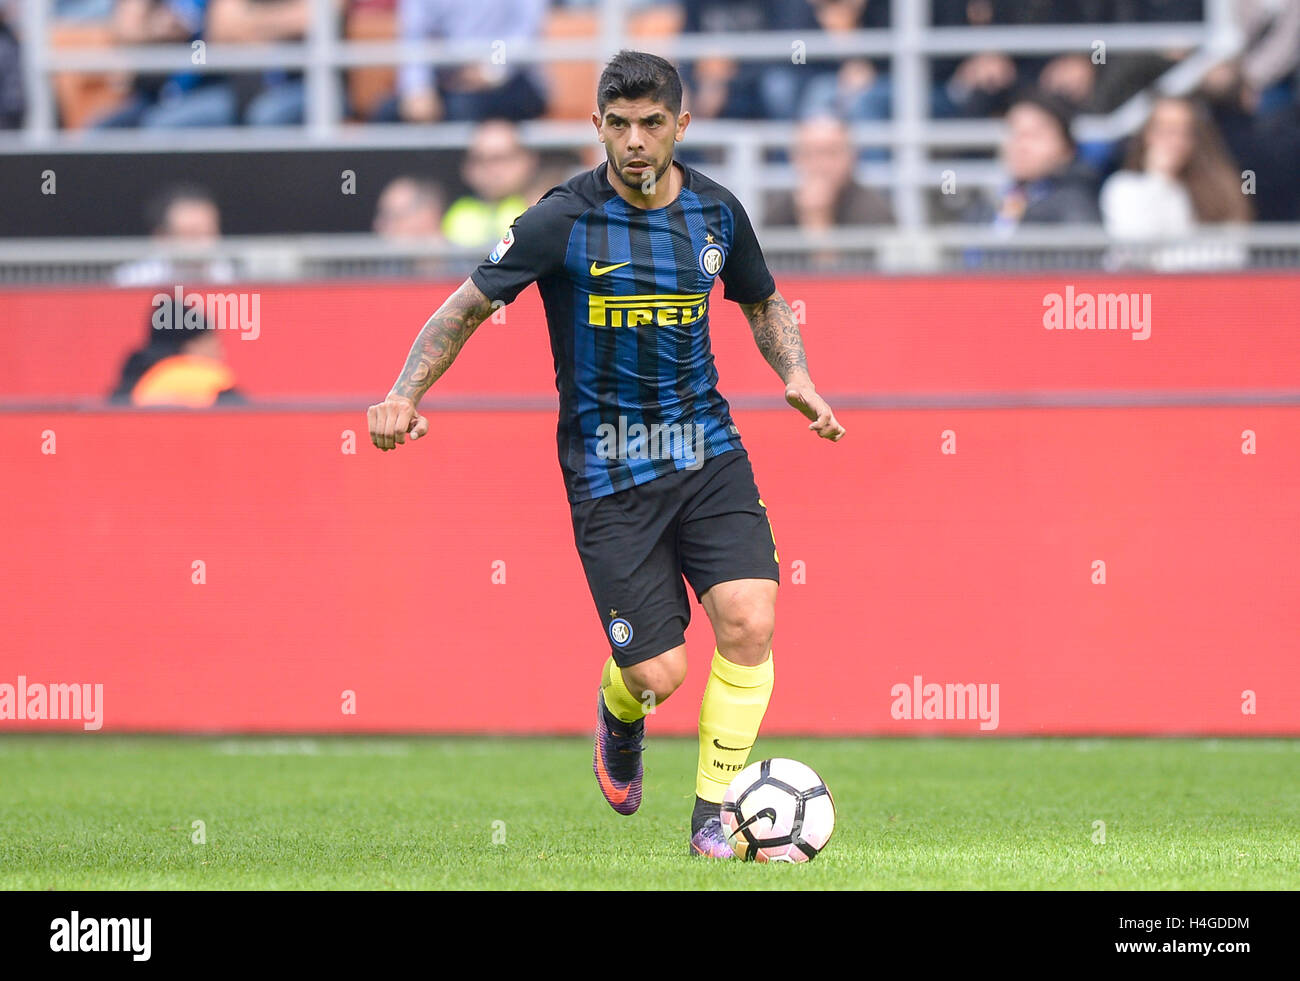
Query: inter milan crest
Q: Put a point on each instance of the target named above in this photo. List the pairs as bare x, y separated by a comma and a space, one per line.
620, 632
711, 257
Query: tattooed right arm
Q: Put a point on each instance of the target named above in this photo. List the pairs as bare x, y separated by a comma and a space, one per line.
441, 339
434, 350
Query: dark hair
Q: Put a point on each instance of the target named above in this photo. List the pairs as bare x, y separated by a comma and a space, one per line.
155, 212
637, 75
1061, 112
1209, 174
158, 344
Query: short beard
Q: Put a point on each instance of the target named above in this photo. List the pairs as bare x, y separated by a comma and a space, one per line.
638, 185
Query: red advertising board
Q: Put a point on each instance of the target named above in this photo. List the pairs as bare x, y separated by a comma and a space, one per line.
267, 570
877, 337
439, 584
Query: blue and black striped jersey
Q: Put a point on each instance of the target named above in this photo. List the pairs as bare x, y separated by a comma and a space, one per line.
626, 292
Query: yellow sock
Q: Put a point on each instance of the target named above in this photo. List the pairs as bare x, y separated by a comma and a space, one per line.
735, 700
622, 704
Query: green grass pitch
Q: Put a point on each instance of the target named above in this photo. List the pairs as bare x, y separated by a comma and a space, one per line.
112, 812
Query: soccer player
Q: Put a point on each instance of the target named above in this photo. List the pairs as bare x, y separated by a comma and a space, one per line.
660, 487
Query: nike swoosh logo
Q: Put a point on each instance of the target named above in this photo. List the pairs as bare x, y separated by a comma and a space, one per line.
601, 270
732, 749
614, 795
767, 812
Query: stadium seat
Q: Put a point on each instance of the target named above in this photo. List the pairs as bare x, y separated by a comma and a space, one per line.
572, 82
84, 96
664, 20
370, 85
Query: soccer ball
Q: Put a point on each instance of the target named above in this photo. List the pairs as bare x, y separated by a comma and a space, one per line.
778, 811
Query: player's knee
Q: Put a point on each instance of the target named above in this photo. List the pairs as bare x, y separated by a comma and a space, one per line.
654, 689
744, 632
660, 676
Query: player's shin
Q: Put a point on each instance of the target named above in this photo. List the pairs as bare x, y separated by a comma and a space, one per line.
735, 700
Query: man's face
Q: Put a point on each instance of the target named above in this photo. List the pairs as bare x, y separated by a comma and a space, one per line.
639, 135
497, 165
193, 221
822, 152
1033, 147
404, 213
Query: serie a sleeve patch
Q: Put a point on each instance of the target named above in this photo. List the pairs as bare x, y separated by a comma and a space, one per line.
502, 247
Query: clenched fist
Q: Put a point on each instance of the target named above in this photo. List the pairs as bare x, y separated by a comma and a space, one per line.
392, 419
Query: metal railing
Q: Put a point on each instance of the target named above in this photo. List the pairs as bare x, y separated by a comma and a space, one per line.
910, 44
262, 259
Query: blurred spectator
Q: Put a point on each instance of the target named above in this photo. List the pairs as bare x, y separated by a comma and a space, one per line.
1267, 145
498, 170
177, 366
1268, 64
1278, 192
1253, 102
82, 10
549, 175
826, 195
1071, 77
184, 214
978, 86
856, 89
982, 84
183, 99
484, 89
1102, 88
979, 13
12, 104
1177, 174
1232, 104
410, 210
720, 87
1155, 11
277, 97
1047, 182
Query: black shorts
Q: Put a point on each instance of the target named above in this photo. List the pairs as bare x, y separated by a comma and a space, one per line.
707, 525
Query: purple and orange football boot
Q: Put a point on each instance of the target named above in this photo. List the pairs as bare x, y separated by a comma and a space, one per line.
710, 841
617, 759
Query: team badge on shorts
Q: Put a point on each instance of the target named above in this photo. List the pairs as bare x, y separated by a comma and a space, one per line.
620, 632
711, 257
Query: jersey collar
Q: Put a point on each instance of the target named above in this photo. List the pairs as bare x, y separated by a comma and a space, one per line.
602, 176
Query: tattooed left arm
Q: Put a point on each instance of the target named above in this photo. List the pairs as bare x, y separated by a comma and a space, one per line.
778, 338
777, 335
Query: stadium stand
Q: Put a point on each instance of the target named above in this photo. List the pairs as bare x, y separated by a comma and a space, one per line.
940, 74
